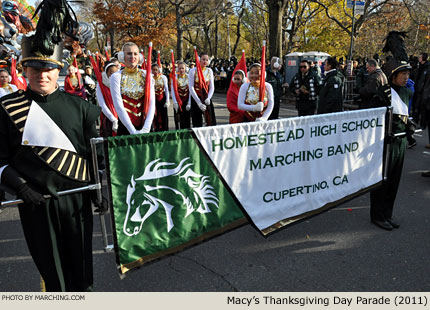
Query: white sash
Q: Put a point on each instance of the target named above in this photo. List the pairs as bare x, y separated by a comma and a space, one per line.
399, 107
41, 130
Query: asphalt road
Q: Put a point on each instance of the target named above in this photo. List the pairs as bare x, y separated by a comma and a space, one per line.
338, 250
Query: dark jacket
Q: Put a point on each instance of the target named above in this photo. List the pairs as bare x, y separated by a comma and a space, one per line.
361, 77
331, 94
312, 83
421, 99
275, 79
375, 80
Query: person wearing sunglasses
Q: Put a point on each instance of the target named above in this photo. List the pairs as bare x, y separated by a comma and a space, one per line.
306, 85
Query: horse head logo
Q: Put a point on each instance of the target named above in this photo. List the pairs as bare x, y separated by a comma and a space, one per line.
147, 193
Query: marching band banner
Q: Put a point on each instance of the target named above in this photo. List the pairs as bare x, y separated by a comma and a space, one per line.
166, 195
173, 189
281, 169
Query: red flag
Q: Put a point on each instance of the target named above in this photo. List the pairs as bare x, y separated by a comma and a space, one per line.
241, 65
107, 54
202, 82
175, 84
105, 90
15, 80
146, 101
159, 60
263, 72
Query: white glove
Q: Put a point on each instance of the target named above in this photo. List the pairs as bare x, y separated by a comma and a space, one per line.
175, 106
115, 125
167, 103
188, 106
258, 107
143, 130
207, 101
201, 106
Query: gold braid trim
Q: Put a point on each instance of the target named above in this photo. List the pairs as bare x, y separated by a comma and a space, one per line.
44, 59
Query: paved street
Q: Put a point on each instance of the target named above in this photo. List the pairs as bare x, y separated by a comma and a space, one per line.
338, 250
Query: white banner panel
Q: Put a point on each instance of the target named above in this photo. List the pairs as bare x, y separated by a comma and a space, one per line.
283, 168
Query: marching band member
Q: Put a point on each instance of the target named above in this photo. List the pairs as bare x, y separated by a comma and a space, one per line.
200, 101
162, 101
44, 149
396, 95
5, 87
236, 115
109, 122
128, 93
249, 97
184, 96
238, 78
73, 83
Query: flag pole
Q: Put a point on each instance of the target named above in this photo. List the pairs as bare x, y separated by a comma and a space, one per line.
263, 71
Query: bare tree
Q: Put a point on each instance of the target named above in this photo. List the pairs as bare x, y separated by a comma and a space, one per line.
371, 8
297, 15
183, 8
241, 11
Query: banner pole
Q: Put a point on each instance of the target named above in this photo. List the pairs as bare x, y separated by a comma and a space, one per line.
90, 187
401, 134
94, 141
389, 133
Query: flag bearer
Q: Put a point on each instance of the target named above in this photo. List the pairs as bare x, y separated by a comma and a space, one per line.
128, 92
249, 97
183, 94
200, 100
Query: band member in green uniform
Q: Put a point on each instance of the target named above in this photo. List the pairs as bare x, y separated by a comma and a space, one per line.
44, 149
394, 94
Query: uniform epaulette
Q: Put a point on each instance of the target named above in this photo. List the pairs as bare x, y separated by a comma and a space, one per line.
387, 91
17, 105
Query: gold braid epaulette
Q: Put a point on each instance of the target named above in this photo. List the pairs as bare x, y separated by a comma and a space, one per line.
67, 163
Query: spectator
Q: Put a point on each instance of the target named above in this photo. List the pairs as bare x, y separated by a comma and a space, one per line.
275, 79
330, 96
375, 79
305, 85
421, 99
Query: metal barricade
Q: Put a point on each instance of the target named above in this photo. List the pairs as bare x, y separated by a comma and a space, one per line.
349, 97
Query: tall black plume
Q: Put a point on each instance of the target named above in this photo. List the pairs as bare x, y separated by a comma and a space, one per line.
56, 19
395, 43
